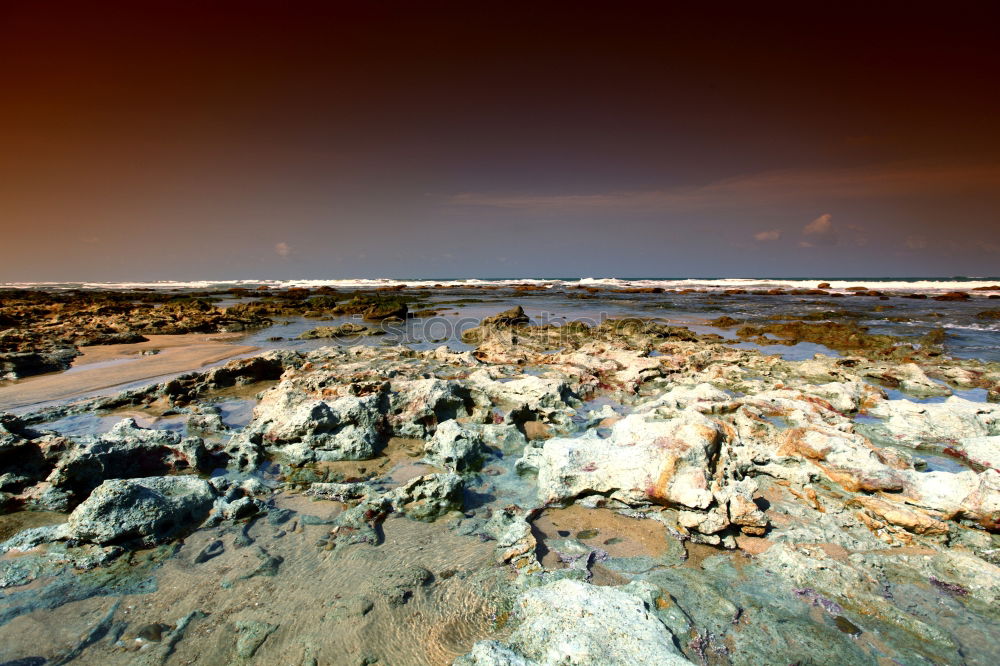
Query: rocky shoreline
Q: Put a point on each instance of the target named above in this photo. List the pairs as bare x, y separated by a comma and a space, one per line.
839, 509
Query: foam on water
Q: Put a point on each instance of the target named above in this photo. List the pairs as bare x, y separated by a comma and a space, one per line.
922, 284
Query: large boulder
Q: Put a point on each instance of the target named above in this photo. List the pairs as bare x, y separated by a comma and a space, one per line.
128, 451
141, 511
570, 622
642, 461
304, 429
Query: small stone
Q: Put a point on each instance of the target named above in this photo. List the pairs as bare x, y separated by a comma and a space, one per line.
152, 632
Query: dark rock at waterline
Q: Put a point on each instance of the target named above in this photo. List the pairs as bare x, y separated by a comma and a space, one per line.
15, 365
349, 329
379, 312
724, 321
513, 317
126, 338
952, 296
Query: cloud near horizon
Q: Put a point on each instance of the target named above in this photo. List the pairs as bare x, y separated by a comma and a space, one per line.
282, 249
764, 188
768, 235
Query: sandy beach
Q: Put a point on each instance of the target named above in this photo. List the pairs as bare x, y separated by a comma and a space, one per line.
107, 366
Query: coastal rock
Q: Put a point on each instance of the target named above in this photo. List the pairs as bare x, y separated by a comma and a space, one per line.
983, 451
913, 520
144, 511
909, 377
528, 397
127, 451
461, 447
570, 622
958, 495
642, 461
418, 406
846, 397
426, 497
347, 330
846, 458
488, 328
302, 430
702, 397
953, 419
513, 317
16, 365
454, 447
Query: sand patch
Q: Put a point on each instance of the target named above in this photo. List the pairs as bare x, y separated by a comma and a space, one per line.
107, 366
14, 523
615, 534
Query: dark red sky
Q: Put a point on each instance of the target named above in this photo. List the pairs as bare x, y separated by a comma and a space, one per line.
145, 140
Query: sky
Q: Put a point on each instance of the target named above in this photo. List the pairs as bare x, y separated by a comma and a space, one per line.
230, 139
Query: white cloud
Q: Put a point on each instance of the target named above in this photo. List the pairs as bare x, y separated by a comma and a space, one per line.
282, 249
768, 235
820, 226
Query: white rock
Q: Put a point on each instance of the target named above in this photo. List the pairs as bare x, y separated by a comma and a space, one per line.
572, 623
953, 419
642, 461
984, 451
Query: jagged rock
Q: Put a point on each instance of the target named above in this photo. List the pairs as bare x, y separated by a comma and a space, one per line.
527, 397
127, 451
642, 461
513, 317
461, 447
418, 406
953, 419
145, 511
570, 622
846, 458
424, 498
303, 429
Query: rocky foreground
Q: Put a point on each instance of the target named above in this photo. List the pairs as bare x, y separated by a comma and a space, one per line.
646, 496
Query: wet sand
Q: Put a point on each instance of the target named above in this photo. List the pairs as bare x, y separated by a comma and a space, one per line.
107, 366
421, 598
